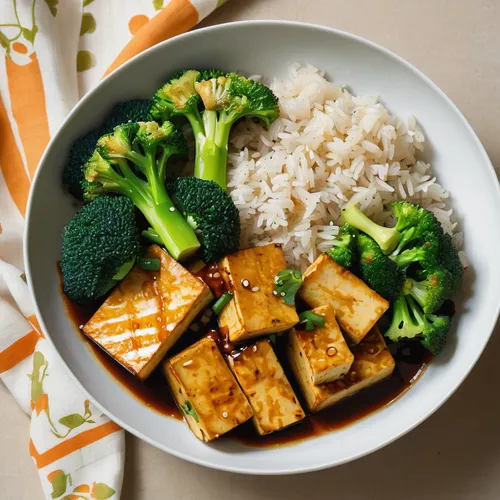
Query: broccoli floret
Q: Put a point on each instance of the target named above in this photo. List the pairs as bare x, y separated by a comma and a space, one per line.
377, 270
344, 251
210, 211
212, 102
83, 148
99, 247
386, 237
448, 258
418, 223
403, 325
137, 110
81, 151
426, 254
434, 328
144, 147
430, 292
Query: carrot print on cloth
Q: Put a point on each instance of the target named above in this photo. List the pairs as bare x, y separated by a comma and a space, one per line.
51, 53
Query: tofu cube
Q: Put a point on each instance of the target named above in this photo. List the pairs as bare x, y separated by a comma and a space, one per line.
147, 312
372, 363
260, 375
324, 351
254, 310
357, 307
206, 391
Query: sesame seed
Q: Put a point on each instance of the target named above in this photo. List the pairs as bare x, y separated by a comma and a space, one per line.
331, 351
172, 209
187, 363
216, 274
282, 294
195, 327
225, 414
254, 348
275, 293
245, 283
255, 289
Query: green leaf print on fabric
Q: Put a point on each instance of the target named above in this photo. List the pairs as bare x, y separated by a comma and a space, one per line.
102, 491
52, 5
30, 34
88, 23
84, 60
72, 421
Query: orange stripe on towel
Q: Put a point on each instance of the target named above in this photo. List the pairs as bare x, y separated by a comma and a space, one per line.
18, 351
12, 164
177, 17
27, 98
70, 445
36, 325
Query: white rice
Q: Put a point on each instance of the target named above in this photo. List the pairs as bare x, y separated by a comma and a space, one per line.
327, 149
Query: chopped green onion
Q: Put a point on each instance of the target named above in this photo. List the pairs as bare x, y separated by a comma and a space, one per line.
124, 270
151, 235
273, 338
149, 264
286, 285
187, 409
222, 302
310, 320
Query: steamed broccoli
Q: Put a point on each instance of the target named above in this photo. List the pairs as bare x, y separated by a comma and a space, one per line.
387, 238
136, 110
434, 328
403, 325
430, 292
81, 151
213, 101
210, 211
415, 223
100, 245
344, 251
449, 259
377, 270
425, 254
144, 147
83, 147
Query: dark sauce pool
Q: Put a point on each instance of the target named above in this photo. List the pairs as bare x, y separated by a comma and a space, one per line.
411, 361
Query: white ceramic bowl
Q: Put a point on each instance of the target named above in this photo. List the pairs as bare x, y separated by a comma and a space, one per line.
268, 48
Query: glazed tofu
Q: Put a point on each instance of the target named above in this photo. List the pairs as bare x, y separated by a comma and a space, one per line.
372, 363
147, 312
266, 386
357, 307
206, 391
254, 310
324, 351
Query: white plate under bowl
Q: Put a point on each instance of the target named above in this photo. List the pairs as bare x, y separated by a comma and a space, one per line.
268, 48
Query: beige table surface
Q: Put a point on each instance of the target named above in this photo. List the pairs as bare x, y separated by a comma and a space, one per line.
455, 455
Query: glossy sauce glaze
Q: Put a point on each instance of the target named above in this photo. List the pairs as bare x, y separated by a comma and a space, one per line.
411, 361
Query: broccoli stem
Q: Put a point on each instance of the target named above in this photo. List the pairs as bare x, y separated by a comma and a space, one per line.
212, 147
407, 257
181, 243
386, 237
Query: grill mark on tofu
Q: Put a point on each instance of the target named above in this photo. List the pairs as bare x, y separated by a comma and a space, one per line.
147, 312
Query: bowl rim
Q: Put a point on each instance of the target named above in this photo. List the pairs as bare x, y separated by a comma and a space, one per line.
199, 32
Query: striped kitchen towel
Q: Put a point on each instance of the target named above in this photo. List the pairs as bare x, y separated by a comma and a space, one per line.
52, 52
